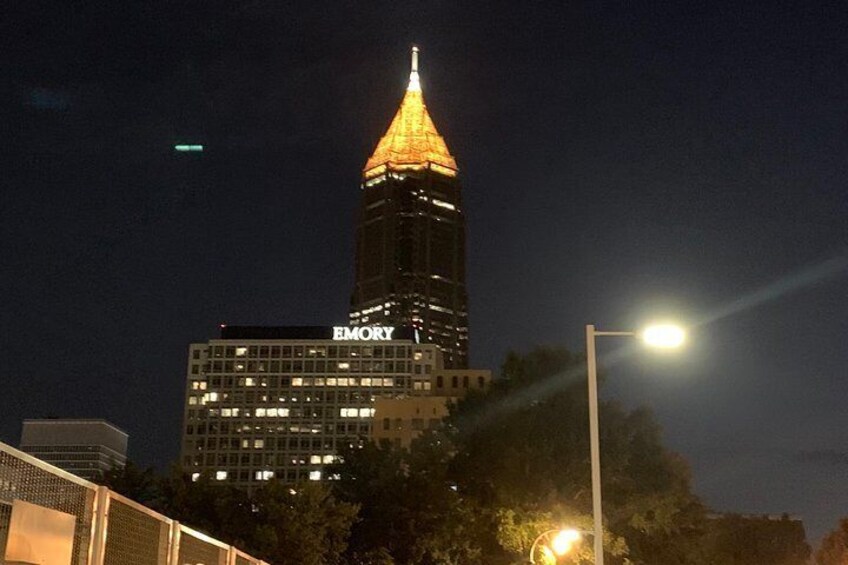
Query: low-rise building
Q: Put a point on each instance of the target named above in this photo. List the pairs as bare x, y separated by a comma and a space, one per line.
401, 419
84, 447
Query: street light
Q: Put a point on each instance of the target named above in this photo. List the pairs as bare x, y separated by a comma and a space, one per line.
559, 543
662, 335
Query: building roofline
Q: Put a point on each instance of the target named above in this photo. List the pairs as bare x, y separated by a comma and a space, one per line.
75, 421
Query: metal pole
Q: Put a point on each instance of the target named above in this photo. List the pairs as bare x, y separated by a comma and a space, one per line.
101, 525
594, 442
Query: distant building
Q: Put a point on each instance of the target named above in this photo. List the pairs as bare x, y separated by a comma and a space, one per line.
85, 448
400, 420
410, 236
280, 402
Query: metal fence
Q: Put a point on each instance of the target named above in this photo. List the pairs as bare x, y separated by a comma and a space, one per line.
110, 529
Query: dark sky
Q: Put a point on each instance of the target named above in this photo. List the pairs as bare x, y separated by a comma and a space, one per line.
620, 160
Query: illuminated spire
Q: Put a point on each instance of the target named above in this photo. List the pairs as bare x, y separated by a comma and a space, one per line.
411, 142
414, 81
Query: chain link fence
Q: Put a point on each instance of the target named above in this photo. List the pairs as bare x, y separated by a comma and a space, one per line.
109, 529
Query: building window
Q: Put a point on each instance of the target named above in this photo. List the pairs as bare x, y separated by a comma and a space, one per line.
440, 382
454, 381
386, 424
465, 381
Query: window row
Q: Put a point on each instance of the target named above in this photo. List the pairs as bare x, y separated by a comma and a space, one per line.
342, 366
308, 351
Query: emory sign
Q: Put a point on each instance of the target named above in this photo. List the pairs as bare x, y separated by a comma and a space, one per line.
363, 333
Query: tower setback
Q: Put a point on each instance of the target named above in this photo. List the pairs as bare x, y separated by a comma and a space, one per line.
410, 237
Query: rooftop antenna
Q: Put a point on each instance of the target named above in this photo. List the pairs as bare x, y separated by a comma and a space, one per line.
414, 81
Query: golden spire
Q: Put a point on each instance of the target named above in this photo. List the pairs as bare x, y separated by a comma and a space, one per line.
411, 142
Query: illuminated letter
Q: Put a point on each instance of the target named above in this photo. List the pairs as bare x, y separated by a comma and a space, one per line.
338, 333
365, 336
378, 334
350, 333
389, 332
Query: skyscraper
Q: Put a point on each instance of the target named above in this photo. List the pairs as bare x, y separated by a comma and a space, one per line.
410, 239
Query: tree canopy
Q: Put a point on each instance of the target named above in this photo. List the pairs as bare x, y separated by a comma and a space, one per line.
506, 465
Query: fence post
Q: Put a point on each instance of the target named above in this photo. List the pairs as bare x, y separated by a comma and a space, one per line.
174, 544
101, 526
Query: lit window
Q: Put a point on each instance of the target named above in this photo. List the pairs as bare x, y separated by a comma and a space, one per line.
418, 355
241, 351
220, 475
249, 381
366, 381
315, 459
259, 443
245, 443
319, 381
194, 477
192, 400
331, 381
272, 412
329, 459
344, 366
226, 412
366, 412
314, 475
342, 382
260, 412
283, 412
264, 475
297, 381
389, 382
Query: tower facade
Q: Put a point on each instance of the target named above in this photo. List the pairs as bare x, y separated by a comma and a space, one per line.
410, 237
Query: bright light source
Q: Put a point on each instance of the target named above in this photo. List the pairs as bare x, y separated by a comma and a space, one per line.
665, 336
562, 542
183, 148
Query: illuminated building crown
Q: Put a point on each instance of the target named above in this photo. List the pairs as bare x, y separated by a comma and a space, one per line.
411, 142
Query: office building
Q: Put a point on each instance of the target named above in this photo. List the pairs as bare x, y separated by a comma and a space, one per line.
410, 237
266, 402
399, 420
86, 448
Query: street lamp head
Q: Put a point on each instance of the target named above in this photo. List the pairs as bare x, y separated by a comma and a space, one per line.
665, 336
564, 540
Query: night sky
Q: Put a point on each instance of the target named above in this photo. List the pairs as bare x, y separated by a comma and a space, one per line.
621, 162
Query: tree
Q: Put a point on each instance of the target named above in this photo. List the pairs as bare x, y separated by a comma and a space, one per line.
834, 547
303, 525
410, 511
131, 481
524, 447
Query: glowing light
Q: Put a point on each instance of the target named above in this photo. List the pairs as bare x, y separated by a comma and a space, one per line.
184, 148
412, 141
666, 336
564, 540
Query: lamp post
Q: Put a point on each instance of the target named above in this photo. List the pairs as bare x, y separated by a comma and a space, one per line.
665, 336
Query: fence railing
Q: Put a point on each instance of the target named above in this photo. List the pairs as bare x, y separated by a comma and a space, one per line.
110, 529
